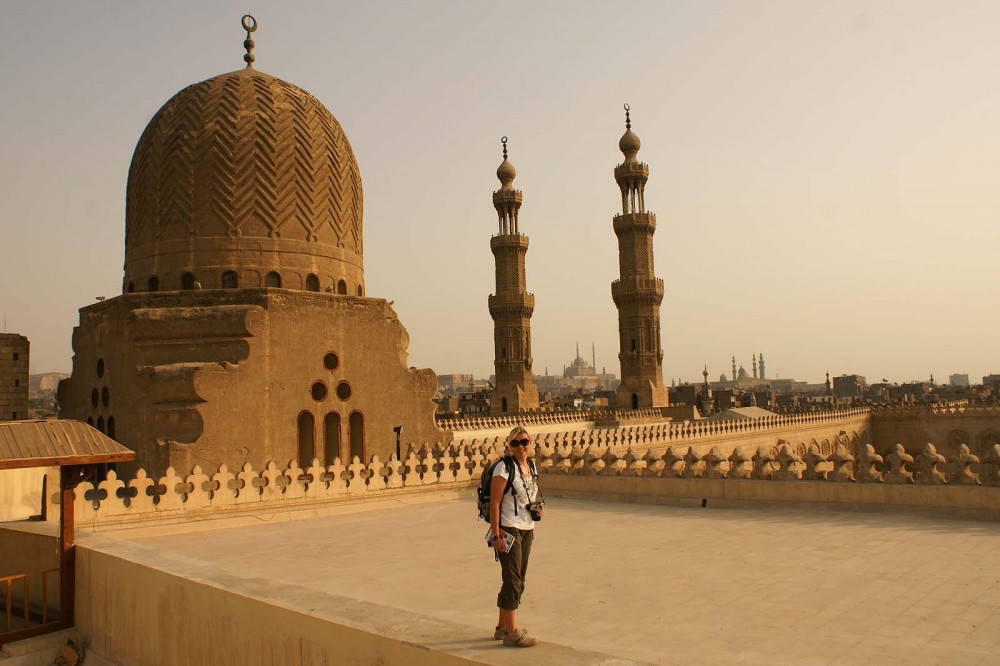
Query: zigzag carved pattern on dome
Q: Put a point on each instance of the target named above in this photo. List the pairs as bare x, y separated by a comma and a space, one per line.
240, 148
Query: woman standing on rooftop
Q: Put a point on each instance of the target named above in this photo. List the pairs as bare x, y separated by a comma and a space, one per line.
514, 508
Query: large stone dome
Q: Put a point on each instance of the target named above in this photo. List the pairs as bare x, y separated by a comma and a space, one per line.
243, 181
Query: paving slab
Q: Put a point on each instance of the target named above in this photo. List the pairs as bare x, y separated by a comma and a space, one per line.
657, 583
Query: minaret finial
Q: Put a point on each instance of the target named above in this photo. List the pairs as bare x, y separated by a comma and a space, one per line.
250, 25
628, 118
503, 140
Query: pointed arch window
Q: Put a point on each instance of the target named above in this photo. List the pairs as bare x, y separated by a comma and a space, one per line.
307, 439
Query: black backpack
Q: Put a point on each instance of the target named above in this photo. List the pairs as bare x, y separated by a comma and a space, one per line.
486, 480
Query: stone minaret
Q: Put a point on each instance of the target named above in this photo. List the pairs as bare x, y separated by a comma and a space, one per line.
762, 375
637, 293
755, 366
511, 306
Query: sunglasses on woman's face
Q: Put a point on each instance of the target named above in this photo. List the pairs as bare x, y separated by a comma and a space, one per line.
520, 442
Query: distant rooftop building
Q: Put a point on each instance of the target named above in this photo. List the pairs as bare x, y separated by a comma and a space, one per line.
958, 379
14, 351
847, 386
455, 382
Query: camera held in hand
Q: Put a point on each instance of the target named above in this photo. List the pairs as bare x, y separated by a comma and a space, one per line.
535, 509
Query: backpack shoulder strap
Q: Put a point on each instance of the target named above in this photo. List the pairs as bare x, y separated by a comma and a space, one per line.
511, 471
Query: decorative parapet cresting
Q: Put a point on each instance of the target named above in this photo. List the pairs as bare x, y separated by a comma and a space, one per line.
112, 500
846, 460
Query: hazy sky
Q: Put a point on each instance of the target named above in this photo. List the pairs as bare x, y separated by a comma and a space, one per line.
824, 174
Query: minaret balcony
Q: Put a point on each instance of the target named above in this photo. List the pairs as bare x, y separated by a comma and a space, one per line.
632, 170
629, 222
637, 291
501, 197
509, 241
518, 304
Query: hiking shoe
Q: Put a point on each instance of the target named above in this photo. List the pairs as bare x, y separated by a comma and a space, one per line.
519, 638
500, 632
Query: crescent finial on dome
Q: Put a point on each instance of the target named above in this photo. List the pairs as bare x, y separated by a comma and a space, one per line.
250, 25
506, 171
629, 143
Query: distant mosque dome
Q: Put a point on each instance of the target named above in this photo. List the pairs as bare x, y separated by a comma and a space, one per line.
723, 378
246, 175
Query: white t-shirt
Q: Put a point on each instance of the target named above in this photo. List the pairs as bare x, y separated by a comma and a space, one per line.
523, 491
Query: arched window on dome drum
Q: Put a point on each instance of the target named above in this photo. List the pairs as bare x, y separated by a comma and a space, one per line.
331, 437
154, 284
187, 282
342, 287
360, 293
111, 427
312, 282
307, 439
272, 280
357, 434
503, 405
131, 288
230, 280
635, 401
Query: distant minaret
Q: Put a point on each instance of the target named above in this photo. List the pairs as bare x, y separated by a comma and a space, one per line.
829, 391
762, 375
593, 355
511, 307
637, 293
706, 401
755, 366
735, 376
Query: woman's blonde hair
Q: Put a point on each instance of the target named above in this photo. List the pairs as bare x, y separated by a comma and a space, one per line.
513, 435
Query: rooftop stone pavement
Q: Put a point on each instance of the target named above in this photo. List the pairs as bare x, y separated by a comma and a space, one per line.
656, 583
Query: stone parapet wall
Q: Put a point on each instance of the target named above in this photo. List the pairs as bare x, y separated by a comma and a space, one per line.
224, 492
803, 428
193, 614
823, 429
947, 427
965, 502
926, 467
539, 418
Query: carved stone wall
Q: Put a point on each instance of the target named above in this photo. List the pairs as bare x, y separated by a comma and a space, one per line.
218, 376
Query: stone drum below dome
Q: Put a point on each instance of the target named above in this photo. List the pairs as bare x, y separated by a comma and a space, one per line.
244, 181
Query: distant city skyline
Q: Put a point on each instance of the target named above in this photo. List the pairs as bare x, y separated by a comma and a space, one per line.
823, 174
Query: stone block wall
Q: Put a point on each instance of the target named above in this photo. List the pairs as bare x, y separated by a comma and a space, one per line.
14, 352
